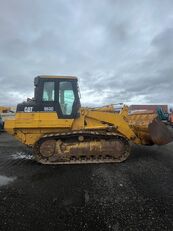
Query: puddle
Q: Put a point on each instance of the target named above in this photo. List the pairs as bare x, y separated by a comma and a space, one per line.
22, 155
4, 180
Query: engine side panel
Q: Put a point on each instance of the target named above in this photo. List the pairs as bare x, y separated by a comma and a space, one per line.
28, 127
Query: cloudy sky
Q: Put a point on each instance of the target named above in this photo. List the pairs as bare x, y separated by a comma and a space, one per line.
121, 50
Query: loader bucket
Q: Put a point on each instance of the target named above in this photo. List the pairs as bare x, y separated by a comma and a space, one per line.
159, 132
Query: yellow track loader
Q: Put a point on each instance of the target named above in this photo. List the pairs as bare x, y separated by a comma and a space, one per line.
60, 131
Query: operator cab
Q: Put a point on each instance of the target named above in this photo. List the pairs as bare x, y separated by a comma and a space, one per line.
54, 93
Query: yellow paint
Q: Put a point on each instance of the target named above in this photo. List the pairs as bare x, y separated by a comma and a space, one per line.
58, 77
4, 109
29, 127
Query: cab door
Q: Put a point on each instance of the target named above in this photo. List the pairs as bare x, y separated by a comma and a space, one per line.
68, 99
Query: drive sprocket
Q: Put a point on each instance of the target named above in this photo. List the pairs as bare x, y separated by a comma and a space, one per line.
81, 147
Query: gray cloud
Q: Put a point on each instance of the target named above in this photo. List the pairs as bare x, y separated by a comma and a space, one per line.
122, 51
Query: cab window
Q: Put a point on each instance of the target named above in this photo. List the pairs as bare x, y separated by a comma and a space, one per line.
66, 97
48, 91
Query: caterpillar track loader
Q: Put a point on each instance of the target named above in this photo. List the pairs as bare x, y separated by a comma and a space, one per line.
60, 131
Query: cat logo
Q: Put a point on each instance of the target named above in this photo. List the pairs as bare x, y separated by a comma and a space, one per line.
28, 109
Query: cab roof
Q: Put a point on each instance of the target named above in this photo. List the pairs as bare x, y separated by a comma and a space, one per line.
56, 77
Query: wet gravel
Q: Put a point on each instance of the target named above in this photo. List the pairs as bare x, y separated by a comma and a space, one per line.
134, 195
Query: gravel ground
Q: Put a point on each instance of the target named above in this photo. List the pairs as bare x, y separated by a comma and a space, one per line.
134, 195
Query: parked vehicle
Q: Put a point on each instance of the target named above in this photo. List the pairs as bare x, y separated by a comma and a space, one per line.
1, 124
